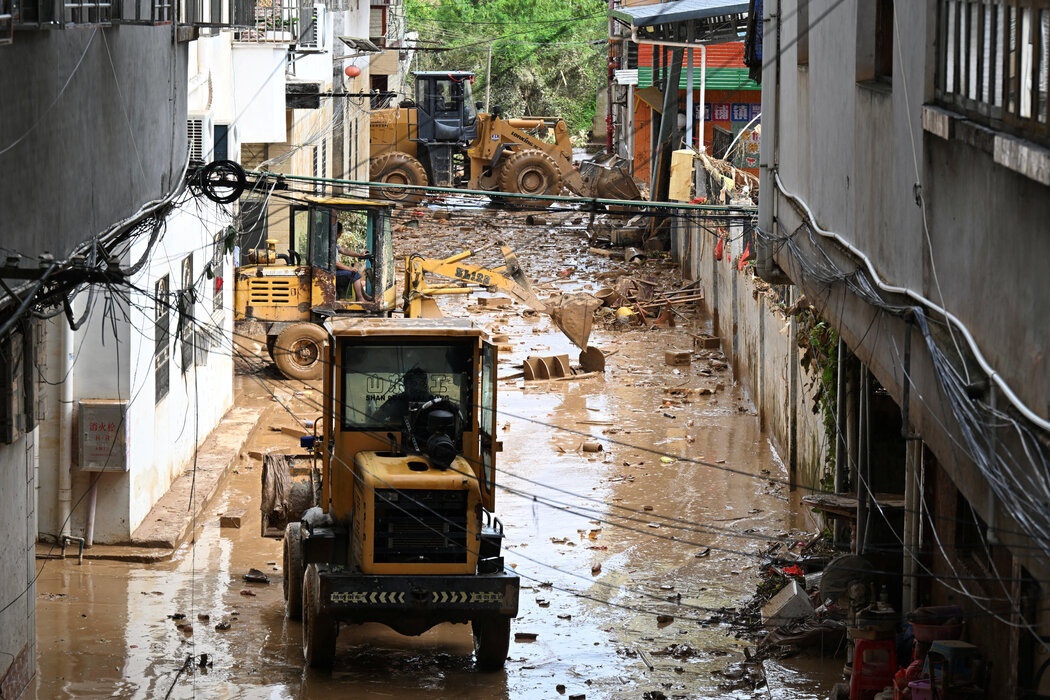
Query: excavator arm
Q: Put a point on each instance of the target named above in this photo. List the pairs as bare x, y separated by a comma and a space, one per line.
571, 315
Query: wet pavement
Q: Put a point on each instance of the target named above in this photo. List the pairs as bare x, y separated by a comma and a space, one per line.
627, 556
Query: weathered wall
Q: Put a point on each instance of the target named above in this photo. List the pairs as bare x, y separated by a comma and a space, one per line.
95, 148
163, 434
759, 341
17, 592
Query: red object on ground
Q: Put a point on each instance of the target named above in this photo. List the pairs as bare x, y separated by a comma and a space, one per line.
794, 570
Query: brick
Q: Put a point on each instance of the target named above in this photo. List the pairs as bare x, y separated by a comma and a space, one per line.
232, 518
705, 342
677, 357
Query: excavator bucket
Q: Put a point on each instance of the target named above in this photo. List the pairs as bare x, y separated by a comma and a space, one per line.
609, 179
573, 314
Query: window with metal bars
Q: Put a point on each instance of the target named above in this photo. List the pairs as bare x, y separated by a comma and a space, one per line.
993, 63
161, 335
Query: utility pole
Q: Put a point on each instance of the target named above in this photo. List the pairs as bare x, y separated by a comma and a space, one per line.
488, 76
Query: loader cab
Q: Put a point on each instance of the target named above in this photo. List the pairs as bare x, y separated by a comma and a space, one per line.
319, 227
445, 101
420, 392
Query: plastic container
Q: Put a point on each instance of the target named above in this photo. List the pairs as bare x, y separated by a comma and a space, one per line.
920, 689
932, 633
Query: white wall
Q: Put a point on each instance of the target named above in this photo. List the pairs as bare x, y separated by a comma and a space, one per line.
18, 520
162, 435
258, 93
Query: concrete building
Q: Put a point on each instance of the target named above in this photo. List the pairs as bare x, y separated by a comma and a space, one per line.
92, 160
681, 58
303, 107
905, 170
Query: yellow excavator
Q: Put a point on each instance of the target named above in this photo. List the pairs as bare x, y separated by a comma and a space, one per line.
288, 296
443, 140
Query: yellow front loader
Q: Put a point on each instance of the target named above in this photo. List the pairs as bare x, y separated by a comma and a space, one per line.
442, 139
287, 295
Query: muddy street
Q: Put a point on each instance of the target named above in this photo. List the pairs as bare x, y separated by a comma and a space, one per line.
630, 550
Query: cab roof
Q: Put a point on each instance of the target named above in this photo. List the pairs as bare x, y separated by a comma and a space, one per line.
385, 327
441, 73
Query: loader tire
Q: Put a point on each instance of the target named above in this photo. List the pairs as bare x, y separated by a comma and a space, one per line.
320, 632
530, 172
491, 642
293, 572
400, 169
299, 351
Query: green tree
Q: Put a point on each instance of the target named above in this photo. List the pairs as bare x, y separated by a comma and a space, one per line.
548, 56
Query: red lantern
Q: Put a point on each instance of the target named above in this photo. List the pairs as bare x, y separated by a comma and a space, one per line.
352, 71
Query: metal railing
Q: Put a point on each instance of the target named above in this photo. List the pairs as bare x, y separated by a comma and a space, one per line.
281, 21
994, 63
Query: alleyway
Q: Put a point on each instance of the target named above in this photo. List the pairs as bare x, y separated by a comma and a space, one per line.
628, 555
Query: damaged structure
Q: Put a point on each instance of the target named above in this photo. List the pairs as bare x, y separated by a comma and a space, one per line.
904, 161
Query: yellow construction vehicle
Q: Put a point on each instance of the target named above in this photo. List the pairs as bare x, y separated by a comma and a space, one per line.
392, 520
441, 139
285, 296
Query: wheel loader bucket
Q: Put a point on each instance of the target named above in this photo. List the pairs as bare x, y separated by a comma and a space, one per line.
609, 179
573, 314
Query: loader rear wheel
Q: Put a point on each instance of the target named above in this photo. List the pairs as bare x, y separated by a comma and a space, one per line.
319, 631
399, 169
298, 351
271, 343
530, 172
293, 571
491, 642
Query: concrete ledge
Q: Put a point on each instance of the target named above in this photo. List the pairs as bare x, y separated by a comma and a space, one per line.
1019, 155
1023, 157
170, 520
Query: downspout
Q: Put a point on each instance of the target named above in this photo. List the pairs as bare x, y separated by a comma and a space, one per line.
65, 431
703, 97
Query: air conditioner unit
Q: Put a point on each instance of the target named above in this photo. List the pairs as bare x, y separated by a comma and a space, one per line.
200, 131
312, 25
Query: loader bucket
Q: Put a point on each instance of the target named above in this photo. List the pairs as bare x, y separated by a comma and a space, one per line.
609, 179
573, 315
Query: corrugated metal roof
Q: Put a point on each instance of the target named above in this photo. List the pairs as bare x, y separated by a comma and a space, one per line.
677, 11
728, 55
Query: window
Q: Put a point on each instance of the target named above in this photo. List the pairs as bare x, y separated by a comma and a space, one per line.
383, 384
315, 153
884, 40
161, 324
875, 41
994, 63
222, 148
216, 271
185, 331
802, 26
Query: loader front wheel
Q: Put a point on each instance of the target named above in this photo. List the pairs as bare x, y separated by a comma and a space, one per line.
319, 631
398, 169
298, 351
491, 642
530, 172
293, 571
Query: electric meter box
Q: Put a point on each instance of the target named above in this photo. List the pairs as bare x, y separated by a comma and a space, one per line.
103, 435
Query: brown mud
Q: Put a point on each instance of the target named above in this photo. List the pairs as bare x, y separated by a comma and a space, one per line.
627, 555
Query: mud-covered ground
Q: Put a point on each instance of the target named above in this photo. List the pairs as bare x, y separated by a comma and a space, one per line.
628, 556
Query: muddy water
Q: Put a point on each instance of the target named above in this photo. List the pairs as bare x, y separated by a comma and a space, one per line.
605, 543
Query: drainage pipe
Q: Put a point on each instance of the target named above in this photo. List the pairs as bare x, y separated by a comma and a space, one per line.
65, 431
